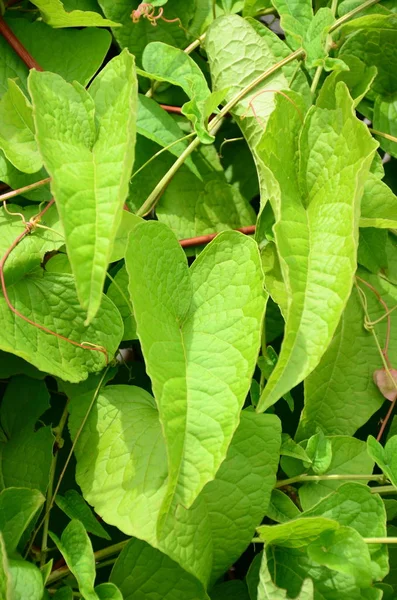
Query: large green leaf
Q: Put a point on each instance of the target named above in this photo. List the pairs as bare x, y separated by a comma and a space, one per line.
17, 130
198, 329
318, 177
136, 36
75, 547
88, 149
385, 457
75, 54
26, 454
126, 480
340, 394
267, 590
54, 13
144, 573
17, 508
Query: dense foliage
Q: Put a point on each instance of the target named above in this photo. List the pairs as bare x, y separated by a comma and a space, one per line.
185, 415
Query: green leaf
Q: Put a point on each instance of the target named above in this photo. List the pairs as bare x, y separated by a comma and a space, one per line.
26, 455
281, 508
75, 547
17, 130
349, 456
143, 571
171, 306
5, 577
166, 63
385, 457
128, 222
94, 144
267, 590
136, 36
319, 449
50, 300
63, 593
290, 448
11, 66
13, 365
54, 13
16, 179
196, 538
385, 118
17, 508
75, 507
296, 533
252, 7
26, 581
75, 54
378, 205
340, 395
108, 591
230, 590
326, 173
118, 294
296, 17
358, 79
372, 253
343, 550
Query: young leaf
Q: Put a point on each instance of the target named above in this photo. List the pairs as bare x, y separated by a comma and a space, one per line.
26, 581
17, 130
89, 138
319, 449
75, 507
166, 63
185, 349
327, 181
296, 533
385, 457
196, 538
75, 547
141, 570
281, 508
75, 54
17, 508
108, 591
343, 550
54, 13
267, 590
358, 79
49, 299
340, 394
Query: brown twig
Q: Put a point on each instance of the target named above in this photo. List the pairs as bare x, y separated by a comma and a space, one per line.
16, 45
201, 240
171, 109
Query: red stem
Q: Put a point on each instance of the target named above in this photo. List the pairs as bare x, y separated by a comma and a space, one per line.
17, 46
171, 109
205, 239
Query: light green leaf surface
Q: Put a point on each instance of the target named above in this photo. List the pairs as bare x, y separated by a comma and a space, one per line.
319, 449
17, 130
281, 508
385, 457
136, 36
11, 66
297, 533
88, 149
5, 578
128, 222
127, 479
167, 63
252, 7
144, 573
290, 448
330, 175
385, 119
75, 507
26, 581
340, 395
296, 18
54, 13
267, 590
75, 54
17, 508
343, 550
119, 295
75, 547
50, 300
193, 360
108, 591
358, 79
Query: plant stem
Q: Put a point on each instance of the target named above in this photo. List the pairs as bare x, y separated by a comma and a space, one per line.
213, 127
387, 136
351, 14
22, 190
381, 540
57, 445
206, 239
384, 489
304, 478
18, 48
99, 555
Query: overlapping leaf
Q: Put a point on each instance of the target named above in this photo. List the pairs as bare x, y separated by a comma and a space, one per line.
324, 181
87, 143
54, 13
198, 329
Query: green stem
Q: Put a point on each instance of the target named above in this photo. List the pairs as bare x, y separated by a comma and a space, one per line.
342, 20
384, 489
58, 444
381, 540
213, 127
22, 190
99, 555
305, 478
387, 136
186, 137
